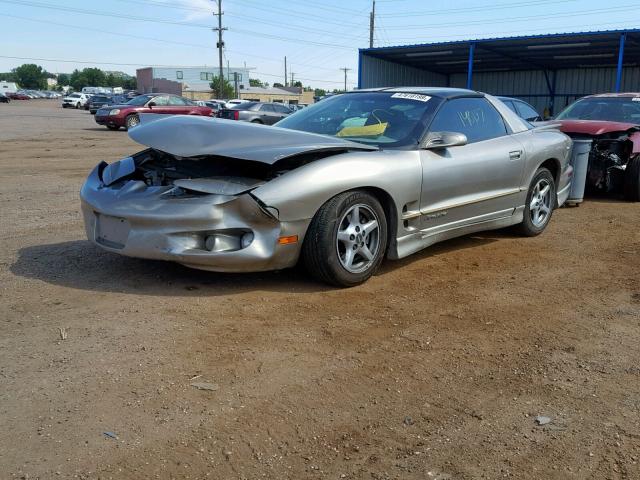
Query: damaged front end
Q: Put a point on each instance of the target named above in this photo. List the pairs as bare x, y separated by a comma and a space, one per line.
615, 147
608, 161
196, 211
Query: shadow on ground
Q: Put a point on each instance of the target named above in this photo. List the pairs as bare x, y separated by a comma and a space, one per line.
79, 264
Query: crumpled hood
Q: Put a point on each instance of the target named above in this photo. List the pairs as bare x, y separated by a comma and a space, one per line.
191, 136
594, 127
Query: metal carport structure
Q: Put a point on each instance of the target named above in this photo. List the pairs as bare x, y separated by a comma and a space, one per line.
546, 70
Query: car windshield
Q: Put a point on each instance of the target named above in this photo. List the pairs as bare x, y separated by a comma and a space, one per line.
380, 118
139, 100
613, 109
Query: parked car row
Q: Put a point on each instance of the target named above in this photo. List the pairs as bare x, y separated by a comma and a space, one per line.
31, 94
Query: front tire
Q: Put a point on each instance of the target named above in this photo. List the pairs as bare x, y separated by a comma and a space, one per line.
77, 105
346, 240
132, 121
541, 200
632, 180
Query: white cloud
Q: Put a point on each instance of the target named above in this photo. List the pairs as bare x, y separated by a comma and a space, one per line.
197, 9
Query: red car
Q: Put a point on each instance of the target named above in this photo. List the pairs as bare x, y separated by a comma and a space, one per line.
127, 115
18, 96
612, 121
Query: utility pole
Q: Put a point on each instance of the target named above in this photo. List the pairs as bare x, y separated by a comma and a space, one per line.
285, 71
235, 82
345, 70
220, 45
372, 23
291, 83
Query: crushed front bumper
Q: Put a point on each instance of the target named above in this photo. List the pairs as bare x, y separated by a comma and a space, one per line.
137, 220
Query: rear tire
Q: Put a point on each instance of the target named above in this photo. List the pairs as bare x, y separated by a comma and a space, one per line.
541, 200
346, 240
132, 121
632, 180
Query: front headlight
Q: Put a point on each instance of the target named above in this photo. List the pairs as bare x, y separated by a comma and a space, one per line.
115, 111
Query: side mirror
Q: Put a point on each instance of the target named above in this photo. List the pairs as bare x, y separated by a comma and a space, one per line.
151, 104
437, 140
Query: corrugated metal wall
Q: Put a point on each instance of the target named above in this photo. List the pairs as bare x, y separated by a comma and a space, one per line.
530, 86
375, 72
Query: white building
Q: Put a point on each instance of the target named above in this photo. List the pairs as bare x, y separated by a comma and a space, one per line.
179, 79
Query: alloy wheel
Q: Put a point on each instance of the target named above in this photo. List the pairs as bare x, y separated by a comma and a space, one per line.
540, 206
358, 238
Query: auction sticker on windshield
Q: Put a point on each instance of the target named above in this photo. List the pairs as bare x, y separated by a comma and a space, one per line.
412, 96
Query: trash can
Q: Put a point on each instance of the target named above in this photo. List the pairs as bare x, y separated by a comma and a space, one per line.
579, 162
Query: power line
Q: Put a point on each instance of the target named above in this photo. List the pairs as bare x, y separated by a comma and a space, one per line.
513, 19
160, 40
447, 12
185, 24
521, 32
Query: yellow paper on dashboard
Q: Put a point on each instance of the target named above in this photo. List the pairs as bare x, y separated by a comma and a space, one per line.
363, 131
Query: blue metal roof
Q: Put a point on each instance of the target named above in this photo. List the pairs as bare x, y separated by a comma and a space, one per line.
500, 39
544, 51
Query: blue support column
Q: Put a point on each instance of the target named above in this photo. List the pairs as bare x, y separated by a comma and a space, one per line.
623, 37
472, 50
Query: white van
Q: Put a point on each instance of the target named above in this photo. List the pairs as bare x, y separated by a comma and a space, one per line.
8, 87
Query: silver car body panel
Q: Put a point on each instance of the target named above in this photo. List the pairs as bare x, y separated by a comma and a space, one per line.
430, 195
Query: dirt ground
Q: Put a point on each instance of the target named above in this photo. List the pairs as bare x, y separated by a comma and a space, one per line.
434, 369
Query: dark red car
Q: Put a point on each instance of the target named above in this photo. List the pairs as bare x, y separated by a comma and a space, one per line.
18, 96
612, 122
127, 115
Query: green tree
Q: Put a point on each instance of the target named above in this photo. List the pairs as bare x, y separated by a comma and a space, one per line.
8, 77
277, 85
319, 92
255, 82
227, 90
30, 75
297, 83
95, 77
63, 79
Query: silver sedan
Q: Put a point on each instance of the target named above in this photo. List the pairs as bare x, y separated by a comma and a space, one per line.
339, 185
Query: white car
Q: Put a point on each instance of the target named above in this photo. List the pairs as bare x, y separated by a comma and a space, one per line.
75, 100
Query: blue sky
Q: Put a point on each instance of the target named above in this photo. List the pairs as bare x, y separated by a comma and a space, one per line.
318, 37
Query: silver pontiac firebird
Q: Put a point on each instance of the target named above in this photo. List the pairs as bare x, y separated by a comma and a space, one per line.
338, 185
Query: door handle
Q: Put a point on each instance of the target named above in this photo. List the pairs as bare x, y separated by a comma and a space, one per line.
515, 155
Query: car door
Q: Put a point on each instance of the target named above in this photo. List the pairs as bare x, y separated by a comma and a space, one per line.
281, 111
160, 105
475, 182
267, 114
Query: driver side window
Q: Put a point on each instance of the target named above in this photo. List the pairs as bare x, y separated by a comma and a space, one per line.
475, 117
161, 101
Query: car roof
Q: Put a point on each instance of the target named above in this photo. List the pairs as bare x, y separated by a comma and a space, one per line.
443, 92
614, 95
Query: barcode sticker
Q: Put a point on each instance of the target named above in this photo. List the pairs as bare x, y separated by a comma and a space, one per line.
412, 96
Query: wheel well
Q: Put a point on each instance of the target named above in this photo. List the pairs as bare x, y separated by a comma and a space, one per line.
553, 166
390, 212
